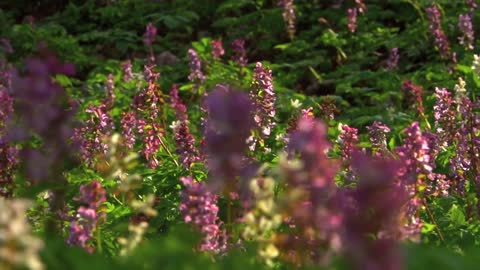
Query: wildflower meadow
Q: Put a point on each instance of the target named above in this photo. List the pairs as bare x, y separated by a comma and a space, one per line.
239, 134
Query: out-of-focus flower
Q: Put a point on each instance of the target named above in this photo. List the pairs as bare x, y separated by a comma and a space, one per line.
352, 14
110, 89
263, 218
8, 152
6, 46
137, 229
466, 28
392, 60
42, 109
127, 71
414, 93
150, 34
217, 49
227, 129
372, 220
239, 52
288, 14
18, 247
476, 64
439, 36
196, 73
199, 206
472, 4
311, 198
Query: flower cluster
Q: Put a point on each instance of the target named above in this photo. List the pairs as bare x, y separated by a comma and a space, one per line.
184, 140
436, 31
466, 28
263, 97
145, 118
8, 152
472, 4
348, 140
85, 222
288, 15
199, 206
414, 92
19, 249
352, 14
196, 74
150, 34
110, 89
239, 52
393, 57
148, 39
445, 117
217, 49
416, 174
378, 137
127, 71
468, 142
91, 136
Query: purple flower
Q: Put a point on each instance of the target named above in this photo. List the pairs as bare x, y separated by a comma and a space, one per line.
263, 97
415, 95
445, 117
227, 128
313, 205
372, 221
416, 174
8, 165
348, 141
110, 89
217, 49
466, 28
378, 137
199, 206
392, 60
91, 136
288, 14
352, 14
151, 134
239, 52
184, 140
92, 194
436, 31
472, 4
129, 123
42, 108
84, 223
196, 74
127, 71
150, 34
